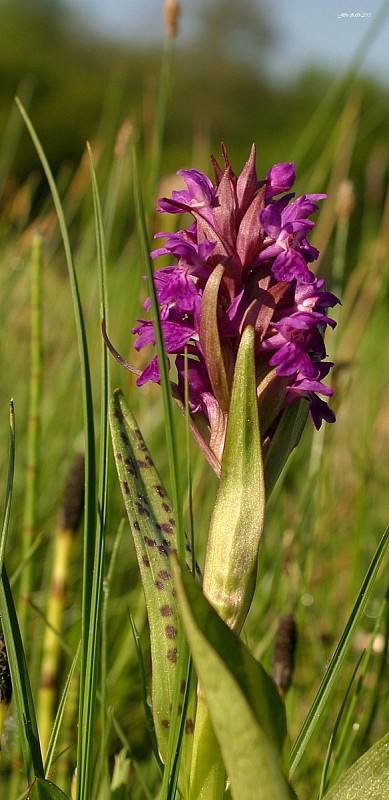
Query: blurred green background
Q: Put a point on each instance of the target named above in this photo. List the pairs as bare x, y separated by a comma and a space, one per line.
231, 78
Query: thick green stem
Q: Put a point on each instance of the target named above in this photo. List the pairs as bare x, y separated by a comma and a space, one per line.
208, 779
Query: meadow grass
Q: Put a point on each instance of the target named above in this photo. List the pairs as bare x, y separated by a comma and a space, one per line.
324, 522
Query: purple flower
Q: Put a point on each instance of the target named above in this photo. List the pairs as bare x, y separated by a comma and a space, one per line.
245, 255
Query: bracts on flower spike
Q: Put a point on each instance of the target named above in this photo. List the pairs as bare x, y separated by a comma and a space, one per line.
244, 261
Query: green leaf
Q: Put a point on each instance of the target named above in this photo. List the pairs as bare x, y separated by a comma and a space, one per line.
153, 530
286, 438
247, 713
42, 789
210, 339
237, 520
367, 778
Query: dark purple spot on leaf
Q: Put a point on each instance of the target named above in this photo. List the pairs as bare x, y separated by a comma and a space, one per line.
118, 414
145, 561
166, 611
144, 512
119, 456
158, 585
183, 686
160, 490
162, 550
142, 464
124, 438
136, 525
171, 632
126, 487
149, 542
130, 466
166, 508
143, 499
164, 574
166, 527
172, 655
189, 726
165, 723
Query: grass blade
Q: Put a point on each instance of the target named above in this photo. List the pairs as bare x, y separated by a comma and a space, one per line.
85, 733
28, 730
337, 659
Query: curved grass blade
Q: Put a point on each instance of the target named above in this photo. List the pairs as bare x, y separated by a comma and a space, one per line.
153, 529
367, 778
94, 634
42, 789
85, 732
174, 741
337, 659
60, 713
247, 713
28, 729
143, 683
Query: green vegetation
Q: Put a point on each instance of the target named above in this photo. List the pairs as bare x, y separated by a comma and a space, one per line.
330, 508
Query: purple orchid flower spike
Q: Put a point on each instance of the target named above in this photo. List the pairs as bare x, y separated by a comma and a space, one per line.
244, 261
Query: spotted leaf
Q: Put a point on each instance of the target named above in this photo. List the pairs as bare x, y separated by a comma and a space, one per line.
152, 526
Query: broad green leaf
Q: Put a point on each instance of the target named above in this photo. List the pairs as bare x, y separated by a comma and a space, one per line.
153, 531
286, 438
247, 713
367, 778
237, 520
42, 789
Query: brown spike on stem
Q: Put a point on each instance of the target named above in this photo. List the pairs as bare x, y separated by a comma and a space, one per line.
284, 653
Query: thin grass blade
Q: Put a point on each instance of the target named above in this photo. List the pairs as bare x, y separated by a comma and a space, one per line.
337, 659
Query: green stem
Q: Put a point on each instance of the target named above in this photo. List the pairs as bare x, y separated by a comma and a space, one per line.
208, 779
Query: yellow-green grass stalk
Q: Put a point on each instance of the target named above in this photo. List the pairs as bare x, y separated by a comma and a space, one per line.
70, 517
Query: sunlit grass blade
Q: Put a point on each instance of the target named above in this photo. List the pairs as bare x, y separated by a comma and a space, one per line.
176, 486
60, 714
331, 744
85, 731
337, 659
103, 463
146, 705
42, 789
